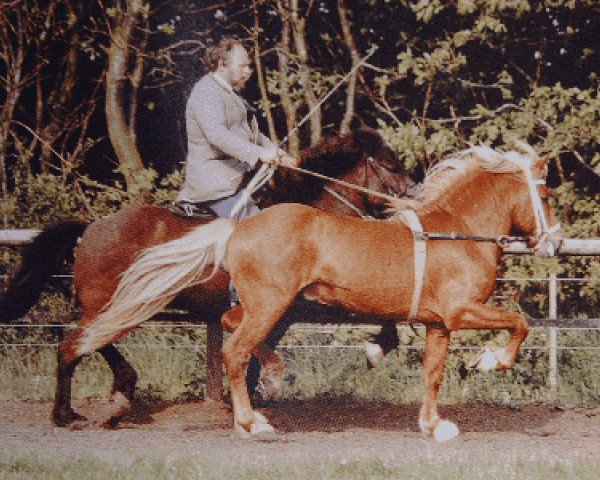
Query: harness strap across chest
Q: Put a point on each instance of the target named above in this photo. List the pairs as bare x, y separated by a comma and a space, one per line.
420, 247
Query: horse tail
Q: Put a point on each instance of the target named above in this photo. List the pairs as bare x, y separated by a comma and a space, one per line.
155, 278
44, 257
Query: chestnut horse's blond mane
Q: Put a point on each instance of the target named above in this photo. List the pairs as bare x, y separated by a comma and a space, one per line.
460, 166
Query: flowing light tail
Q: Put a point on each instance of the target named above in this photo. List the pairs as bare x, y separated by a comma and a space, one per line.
155, 278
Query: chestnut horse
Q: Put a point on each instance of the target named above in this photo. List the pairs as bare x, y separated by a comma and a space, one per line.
109, 245
362, 265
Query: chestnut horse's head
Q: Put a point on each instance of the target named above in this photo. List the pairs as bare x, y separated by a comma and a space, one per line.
533, 215
493, 192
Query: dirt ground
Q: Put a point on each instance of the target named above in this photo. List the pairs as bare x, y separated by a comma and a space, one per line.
307, 430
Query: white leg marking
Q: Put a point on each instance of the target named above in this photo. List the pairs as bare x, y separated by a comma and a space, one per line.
374, 353
445, 431
485, 360
260, 427
502, 357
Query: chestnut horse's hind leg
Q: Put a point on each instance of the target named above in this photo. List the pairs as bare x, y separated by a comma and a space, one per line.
69, 356
68, 359
62, 413
236, 354
437, 342
268, 378
124, 381
125, 376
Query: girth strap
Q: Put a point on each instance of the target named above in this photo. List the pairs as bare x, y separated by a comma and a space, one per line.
412, 221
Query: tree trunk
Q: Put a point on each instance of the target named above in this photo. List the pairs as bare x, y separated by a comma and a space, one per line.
299, 34
130, 161
283, 54
351, 45
13, 55
59, 103
260, 74
136, 78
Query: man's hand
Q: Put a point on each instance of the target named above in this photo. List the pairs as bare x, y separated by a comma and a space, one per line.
287, 161
278, 157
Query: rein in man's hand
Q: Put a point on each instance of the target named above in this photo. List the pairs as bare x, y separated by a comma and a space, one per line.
278, 157
286, 161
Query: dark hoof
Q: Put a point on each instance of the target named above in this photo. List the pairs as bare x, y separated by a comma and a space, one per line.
64, 418
258, 400
112, 422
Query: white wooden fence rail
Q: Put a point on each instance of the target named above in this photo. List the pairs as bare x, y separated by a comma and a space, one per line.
570, 246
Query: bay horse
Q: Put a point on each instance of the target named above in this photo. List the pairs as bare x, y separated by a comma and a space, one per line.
362, 265
109, 245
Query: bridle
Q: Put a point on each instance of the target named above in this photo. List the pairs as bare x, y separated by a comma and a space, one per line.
382, 175
543, 244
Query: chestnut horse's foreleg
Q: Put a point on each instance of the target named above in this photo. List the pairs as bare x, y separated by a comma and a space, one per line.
437, 342
480, 316
269, 377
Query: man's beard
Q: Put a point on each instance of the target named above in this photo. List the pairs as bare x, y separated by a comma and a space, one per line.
239, 85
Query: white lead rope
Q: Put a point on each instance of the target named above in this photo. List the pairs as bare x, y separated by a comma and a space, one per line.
261, 177
340, 198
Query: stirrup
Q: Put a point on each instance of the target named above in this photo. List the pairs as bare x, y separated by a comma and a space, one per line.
192, 211
234, 298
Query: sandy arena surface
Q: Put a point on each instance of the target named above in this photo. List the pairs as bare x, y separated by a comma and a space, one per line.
307, 430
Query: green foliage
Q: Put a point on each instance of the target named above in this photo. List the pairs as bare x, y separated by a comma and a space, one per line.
45, 198
466, 78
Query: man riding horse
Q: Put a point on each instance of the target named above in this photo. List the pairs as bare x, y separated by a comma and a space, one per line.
222, 146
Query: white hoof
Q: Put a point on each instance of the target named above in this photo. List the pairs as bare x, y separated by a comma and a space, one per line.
502, 357
485, 360
445, 431
374, 353
260, 427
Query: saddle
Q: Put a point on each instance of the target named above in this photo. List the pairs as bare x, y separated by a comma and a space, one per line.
192, 211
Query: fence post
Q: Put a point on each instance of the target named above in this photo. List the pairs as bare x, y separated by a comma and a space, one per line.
552, 337
214, 362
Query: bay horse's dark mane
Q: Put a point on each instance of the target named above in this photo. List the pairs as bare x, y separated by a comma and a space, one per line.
333, 156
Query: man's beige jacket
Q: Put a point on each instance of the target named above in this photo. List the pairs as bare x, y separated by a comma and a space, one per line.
221, 144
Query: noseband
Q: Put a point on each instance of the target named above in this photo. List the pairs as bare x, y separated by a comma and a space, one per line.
380, 173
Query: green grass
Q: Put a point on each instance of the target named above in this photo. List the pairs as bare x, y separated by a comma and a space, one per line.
192, 466
165, 369
171, 363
